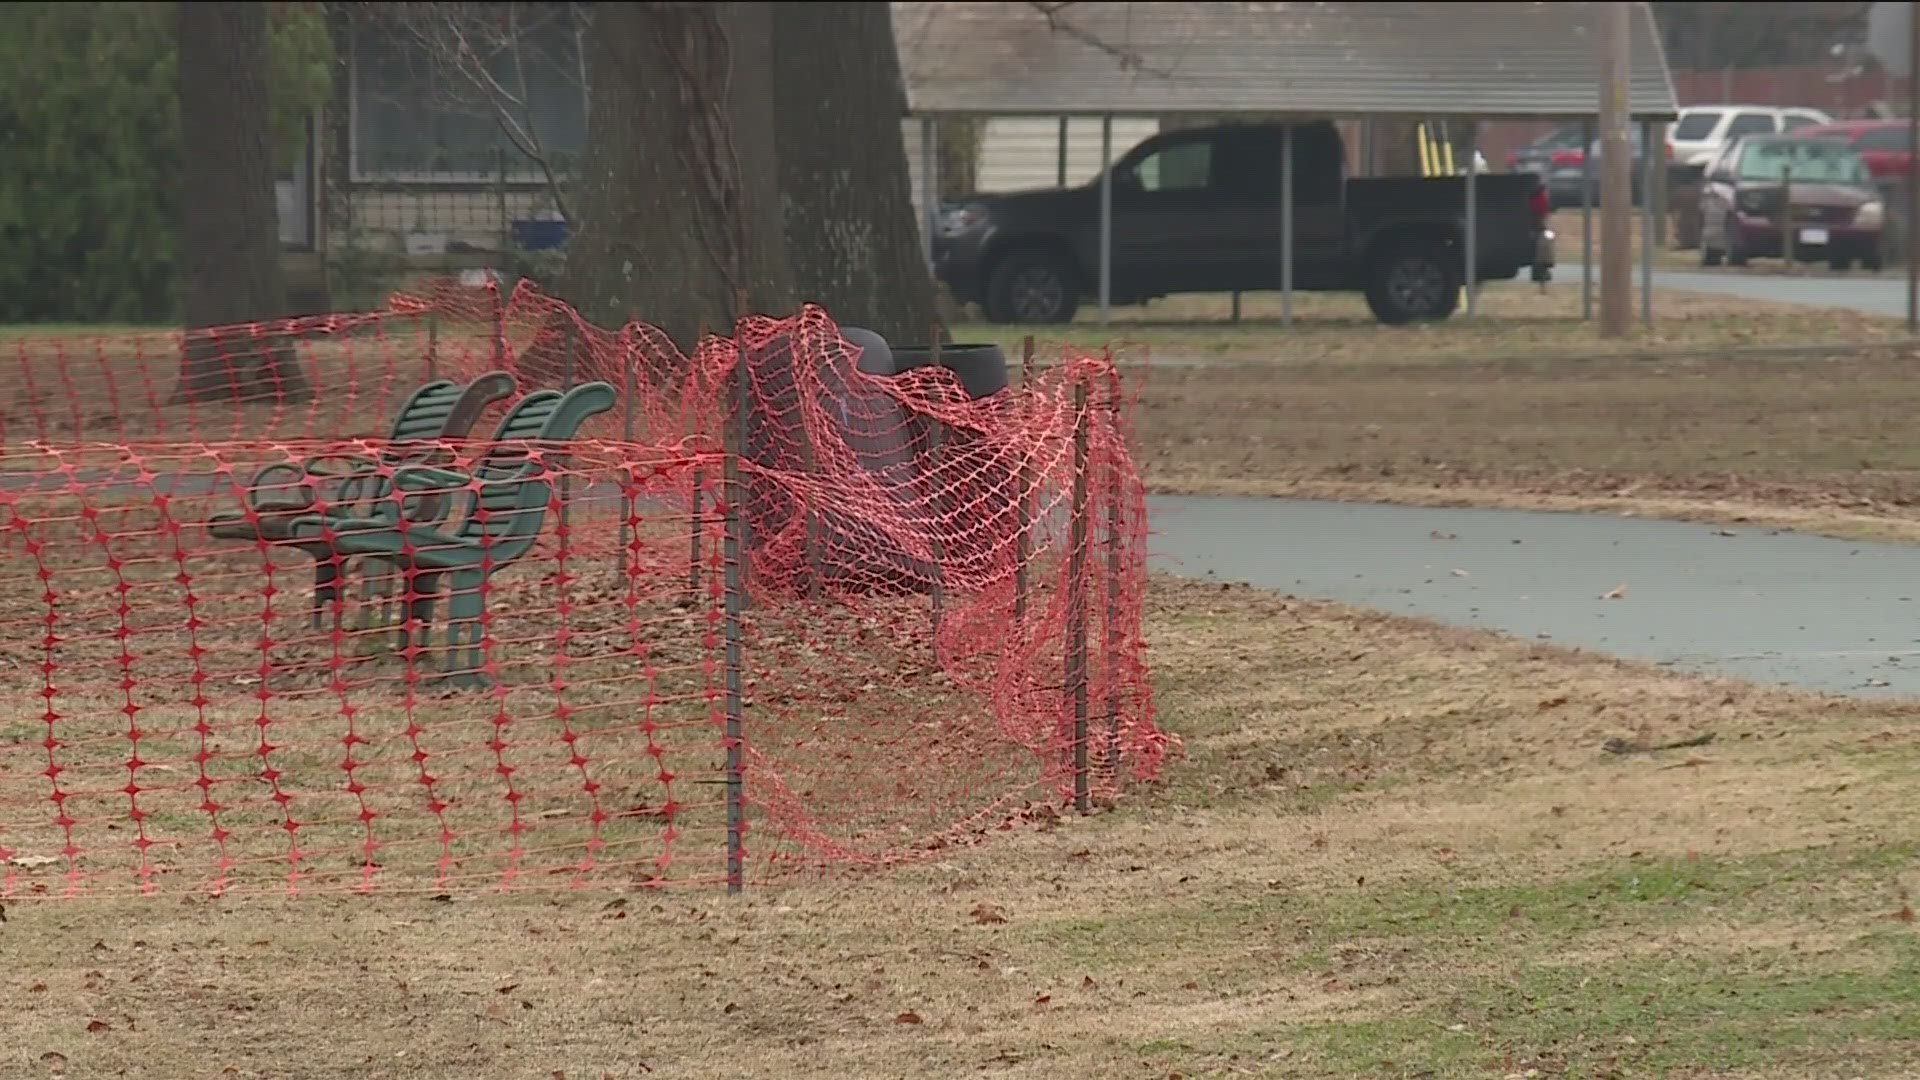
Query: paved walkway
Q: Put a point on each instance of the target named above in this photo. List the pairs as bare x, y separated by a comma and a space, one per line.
1818, 613
1854, 292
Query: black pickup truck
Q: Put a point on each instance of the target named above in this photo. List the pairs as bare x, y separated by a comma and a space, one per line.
1198, 210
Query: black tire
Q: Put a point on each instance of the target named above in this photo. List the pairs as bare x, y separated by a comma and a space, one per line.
1710, 256
1413, 282
1736, 252
1032, 285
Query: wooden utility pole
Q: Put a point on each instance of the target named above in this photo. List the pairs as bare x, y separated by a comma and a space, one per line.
1913, 180
1616, 172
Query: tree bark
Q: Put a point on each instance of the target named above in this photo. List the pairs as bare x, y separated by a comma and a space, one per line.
846, 195
229, 227
679, 193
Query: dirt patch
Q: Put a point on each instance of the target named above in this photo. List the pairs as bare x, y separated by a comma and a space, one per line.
1812, 442
1380, 835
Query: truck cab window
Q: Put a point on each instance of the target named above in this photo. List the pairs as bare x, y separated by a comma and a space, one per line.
1186, 166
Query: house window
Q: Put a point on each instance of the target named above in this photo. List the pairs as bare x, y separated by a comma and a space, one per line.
413, 120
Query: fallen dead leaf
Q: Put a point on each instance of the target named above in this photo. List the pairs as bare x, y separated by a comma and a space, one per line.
984, 913
95, 1027
1618, 592
908, 1018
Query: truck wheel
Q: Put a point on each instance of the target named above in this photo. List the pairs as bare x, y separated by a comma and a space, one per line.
1413, 283
1032, 286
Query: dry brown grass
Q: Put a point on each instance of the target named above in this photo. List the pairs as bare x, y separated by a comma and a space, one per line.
1515, 321
1391, 850
1812, 442
112, 384
604, 705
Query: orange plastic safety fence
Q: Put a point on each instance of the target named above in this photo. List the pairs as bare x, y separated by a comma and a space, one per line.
430, 628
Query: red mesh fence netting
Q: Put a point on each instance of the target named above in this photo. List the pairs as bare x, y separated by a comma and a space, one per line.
438, 596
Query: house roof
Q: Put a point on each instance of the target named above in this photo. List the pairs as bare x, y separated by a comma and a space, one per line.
1486, 61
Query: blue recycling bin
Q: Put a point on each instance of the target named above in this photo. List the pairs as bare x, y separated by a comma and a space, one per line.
548, 235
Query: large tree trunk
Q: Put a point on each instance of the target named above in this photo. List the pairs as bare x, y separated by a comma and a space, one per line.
838, 102
229, 227
679, 194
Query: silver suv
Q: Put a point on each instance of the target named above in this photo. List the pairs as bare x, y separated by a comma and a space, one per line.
1702, 131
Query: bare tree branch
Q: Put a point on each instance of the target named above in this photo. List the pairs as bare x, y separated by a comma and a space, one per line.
1129, 59
460, 41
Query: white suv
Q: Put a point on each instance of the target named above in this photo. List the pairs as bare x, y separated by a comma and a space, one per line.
1702, 130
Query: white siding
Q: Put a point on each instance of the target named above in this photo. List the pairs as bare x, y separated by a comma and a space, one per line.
910, 137
1022, 152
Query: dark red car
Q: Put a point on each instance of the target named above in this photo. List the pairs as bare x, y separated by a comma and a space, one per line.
1885, 145
1818, 189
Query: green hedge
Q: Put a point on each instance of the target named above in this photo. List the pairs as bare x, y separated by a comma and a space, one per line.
89, 138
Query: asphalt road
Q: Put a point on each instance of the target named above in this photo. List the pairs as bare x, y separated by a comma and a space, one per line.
1858, 292
1807, 611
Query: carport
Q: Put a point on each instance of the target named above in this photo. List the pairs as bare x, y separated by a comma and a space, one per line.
1286, 61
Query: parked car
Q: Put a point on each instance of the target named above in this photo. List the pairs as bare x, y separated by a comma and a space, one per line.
1565, 181
1765, 190
1885, 145
1198, 210
1557, 149
1702, 131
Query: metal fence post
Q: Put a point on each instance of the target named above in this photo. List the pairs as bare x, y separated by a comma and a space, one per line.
500, 196
499, 325
1786, 215
1586, 220
1109, 462
568, 344
809, 515
933, 498
733, 568
628, 503
433, 343
695, 505
1077, 601
1023, 500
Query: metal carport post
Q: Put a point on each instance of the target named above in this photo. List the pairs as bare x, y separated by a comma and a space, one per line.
930, 181
1473, 222
1106, 216
1286, 225
1650, 160
1586, 220
1061, 175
